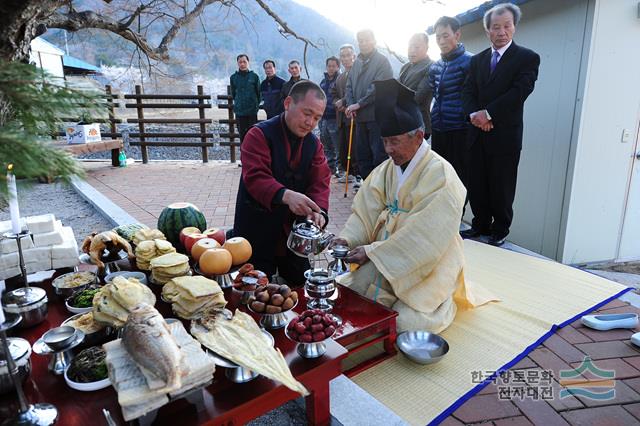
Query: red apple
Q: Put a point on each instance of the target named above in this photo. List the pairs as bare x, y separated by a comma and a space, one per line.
190, 240
201, 245
217, 234
188, 231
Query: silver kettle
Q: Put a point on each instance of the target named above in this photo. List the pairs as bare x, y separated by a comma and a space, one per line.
306, 239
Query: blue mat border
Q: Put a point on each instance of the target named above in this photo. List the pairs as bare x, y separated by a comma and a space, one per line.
464, 398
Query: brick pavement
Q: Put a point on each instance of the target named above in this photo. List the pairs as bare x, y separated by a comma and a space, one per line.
143, 190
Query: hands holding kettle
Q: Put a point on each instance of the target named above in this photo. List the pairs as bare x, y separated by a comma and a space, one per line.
301, 205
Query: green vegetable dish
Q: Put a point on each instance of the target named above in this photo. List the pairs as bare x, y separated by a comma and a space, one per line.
88, 366
84, 298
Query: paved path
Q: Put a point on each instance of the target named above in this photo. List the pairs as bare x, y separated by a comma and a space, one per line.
143, 190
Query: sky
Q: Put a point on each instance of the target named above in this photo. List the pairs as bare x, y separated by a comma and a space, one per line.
393, 21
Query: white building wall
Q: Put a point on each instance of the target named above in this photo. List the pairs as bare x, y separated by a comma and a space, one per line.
47, 57
602, 162
556, 31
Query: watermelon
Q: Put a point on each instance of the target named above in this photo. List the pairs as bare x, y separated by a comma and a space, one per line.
177, 216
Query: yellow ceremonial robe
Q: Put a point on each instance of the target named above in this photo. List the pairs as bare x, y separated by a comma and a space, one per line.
408, 223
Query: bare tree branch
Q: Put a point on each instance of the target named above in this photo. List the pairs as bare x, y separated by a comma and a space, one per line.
74, 21
286, 30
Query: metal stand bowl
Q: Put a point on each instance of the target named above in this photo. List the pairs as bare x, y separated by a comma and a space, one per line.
275, 321
60, 359
235, 372
309, 350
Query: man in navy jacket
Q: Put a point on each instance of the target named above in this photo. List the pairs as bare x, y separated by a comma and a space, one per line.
270, 89
446, 78
500, 80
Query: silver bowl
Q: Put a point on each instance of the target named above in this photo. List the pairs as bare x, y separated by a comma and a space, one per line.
98, 337
58, 283
275, 321
58, 338
422, 347
30, 303
20, 350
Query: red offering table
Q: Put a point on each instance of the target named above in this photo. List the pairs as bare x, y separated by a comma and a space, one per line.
223, 402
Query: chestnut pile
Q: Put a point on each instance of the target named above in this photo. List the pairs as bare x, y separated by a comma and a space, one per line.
313, 325
273, 299
249, 279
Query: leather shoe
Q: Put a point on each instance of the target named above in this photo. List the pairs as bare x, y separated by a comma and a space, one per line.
496, 241
470, 233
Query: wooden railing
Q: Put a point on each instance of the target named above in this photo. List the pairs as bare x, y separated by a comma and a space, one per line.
142, 102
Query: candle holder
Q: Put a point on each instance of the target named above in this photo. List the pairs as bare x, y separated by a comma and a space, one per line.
40, 414
18, 238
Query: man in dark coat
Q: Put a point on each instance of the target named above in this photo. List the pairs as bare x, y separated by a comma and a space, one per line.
370, 66
245, 90
415, 75
285, 176
294, 71
500, 80
270, 89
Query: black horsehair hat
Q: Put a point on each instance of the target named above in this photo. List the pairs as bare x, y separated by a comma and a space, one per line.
396, 109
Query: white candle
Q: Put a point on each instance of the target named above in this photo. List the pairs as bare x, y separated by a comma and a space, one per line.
14, 209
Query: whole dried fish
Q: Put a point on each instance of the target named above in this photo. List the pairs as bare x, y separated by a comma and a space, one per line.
147, 339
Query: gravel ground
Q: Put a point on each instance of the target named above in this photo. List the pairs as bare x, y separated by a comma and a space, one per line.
62, 200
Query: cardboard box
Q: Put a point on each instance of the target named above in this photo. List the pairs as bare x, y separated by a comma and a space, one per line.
83, 133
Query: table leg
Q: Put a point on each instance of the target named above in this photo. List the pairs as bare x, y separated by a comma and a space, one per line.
389, 346
317, 403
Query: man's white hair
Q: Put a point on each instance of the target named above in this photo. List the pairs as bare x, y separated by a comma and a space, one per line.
415, 131
500, 9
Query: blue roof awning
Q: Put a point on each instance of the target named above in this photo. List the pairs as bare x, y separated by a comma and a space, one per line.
70, 61
476, 13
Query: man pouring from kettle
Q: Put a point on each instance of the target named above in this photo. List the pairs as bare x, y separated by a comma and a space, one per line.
285, 177
403, 230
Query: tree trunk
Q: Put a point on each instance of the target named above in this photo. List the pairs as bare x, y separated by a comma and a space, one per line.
20, 22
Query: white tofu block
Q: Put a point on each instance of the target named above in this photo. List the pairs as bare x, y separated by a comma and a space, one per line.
10, 260
37, 255
64, 262
68, 248
47, 239
5, 226
41, 224
38, 265
11, 246
9, 272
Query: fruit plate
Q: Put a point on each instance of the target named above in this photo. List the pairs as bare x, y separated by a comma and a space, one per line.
277, 320
309, 350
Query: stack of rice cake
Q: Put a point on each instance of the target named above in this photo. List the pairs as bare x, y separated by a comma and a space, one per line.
150, 249
51, 246
168, 266
137, 389
191, 296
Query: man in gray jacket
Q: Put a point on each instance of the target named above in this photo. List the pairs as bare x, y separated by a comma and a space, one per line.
370, 66
415, 75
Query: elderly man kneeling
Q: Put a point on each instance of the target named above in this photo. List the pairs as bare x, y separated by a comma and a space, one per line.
404, 225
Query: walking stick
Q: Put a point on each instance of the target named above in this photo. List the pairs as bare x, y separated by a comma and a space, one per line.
346, 181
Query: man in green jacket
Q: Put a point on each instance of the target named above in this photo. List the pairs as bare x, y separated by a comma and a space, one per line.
245, 90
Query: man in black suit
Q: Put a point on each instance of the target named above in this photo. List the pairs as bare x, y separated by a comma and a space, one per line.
499, 81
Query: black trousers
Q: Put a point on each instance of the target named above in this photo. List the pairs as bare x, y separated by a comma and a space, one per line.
244, 124
369, 146
453, 146
492, 188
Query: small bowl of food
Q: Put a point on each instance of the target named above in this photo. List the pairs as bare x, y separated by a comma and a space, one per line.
310, 330
58, 338
422, 347
140, 276
88, 370
65, 285
81, 301
94, 332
